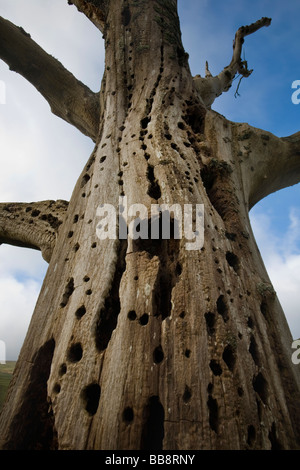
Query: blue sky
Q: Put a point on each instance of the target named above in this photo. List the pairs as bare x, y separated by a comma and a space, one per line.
34, 143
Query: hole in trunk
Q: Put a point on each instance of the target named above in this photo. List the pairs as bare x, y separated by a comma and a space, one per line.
251, 435
260, 385
154, 188
222, 308
264, 309
233, 261
128, 415
68, 292
84, 180
187, 394
213, 413
75, 352
253, 351
210, 319
144, 319
80, 312
275, 444
153, 428
62, 369
215, 367
229, 357
158, 354
91, 396
131, 315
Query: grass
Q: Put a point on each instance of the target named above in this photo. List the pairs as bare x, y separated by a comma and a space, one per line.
6, 371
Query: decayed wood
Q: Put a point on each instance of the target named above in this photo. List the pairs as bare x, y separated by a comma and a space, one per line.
68, 98
148, 345
32, 225
211, 87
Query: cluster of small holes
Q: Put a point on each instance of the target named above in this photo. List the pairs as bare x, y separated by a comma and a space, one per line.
143, 320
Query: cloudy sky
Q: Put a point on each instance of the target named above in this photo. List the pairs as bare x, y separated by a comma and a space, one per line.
41, 156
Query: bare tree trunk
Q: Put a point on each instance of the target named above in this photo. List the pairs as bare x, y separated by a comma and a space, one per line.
138, 344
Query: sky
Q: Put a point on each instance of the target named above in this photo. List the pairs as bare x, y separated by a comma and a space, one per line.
41, 156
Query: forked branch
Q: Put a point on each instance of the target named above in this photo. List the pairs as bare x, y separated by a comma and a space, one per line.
211, 87
68, 98
32, 225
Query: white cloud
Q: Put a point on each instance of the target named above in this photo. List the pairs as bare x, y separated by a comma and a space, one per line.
17, 304
281, 256
41, 156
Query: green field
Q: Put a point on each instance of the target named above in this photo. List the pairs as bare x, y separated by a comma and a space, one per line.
6, 371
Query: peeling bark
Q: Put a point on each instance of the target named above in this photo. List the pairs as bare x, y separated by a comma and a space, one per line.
68, 98
32, 225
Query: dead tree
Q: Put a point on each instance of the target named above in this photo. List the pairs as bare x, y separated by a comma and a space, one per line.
143, 344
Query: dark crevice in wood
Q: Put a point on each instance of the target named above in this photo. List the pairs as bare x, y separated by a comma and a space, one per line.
33, 427
90, 396
213, 409
68, 292
153, 425
108, 315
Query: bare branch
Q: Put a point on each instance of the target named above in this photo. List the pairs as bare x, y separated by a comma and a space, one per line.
211, 87
268, 163
33, 225
68, 98
95, 10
